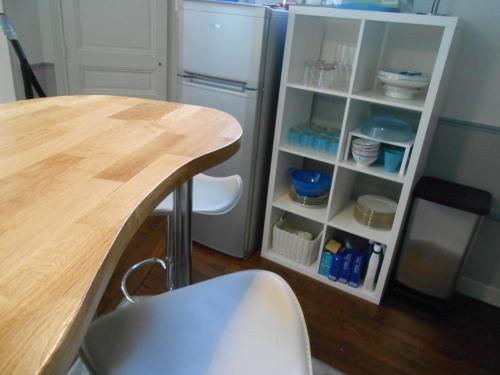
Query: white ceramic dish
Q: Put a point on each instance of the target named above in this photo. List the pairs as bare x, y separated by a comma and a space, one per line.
399, 93
366, 154
366, 148
361, 142
402, 86
364, 161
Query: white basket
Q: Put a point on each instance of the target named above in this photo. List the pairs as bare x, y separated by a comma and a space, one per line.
292, 246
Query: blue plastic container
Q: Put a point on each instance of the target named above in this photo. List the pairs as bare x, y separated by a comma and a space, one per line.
387, 128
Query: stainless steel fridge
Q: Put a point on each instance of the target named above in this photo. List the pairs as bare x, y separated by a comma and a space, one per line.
230, 56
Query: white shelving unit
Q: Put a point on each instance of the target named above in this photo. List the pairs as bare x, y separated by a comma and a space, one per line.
383, 41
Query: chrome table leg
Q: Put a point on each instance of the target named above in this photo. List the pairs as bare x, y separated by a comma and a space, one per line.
169, 250
181, 262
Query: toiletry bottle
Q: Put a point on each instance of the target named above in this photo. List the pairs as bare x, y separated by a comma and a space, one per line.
357, 268
347, 262
326, 263
373, 265
331, 248
336, 265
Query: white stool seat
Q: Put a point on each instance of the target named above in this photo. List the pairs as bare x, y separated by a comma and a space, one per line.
247, 322
211, 195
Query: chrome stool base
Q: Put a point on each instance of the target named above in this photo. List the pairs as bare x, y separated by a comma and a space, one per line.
177, 263
135, 267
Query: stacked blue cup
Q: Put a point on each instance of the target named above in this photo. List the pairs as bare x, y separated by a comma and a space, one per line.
316, 138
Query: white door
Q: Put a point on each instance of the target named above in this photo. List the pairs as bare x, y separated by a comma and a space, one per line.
116, 47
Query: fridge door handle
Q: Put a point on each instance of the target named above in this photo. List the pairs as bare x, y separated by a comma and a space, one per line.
218, 84
222, 87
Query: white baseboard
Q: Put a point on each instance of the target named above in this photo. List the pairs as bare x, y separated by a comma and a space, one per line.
480, 291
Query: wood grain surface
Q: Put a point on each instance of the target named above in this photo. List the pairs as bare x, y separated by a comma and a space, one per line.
78, 176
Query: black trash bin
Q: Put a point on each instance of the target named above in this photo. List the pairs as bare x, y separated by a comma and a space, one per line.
440, 227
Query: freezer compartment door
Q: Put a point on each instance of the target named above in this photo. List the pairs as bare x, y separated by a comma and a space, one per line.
218, 44
229, 233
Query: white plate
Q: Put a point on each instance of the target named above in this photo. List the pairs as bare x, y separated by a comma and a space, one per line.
403, 77
377, 203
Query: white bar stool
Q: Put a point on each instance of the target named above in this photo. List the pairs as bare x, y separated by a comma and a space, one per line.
248, 322
211, 196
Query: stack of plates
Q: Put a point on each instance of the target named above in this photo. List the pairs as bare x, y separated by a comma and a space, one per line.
307, 201
375, 211
365, 151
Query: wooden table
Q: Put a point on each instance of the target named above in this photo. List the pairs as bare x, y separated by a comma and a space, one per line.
78, 176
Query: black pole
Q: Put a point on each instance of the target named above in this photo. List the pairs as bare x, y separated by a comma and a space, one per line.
29, 78
28, 91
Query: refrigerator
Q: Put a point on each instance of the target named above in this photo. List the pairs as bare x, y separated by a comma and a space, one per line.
230, 56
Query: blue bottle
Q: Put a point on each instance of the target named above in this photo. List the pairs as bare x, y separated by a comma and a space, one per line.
357, 269
336, 265
326, 263
347, 263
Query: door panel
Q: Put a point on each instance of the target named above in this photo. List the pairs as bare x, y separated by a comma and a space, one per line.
209, 230
230, 48
243, 106
116, 47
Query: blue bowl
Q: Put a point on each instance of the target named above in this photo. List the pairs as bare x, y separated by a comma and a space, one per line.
311, 184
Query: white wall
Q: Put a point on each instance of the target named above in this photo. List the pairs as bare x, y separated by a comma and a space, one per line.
474, 92
32, 21
7, 93
44, 17
24, 16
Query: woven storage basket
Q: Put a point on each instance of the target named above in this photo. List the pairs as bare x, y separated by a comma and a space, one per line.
292, 246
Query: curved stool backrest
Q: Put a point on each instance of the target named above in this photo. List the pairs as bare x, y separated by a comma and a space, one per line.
211, 195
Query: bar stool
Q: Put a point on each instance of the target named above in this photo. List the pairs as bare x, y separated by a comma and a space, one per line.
211, 196
248, 322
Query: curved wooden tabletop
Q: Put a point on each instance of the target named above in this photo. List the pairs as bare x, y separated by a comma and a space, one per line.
78, 176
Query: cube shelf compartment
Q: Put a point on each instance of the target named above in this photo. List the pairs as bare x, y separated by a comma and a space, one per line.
356, 133
388, 41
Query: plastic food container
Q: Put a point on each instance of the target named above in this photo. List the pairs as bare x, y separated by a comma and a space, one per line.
386, 128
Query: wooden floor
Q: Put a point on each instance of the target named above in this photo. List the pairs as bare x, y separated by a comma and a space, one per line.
354, 336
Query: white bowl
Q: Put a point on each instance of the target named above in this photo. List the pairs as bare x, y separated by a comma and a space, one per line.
401, 86
364, 161
363, 150
361, 142
403, 80
366, 154
366, 148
